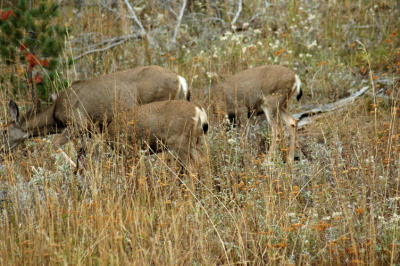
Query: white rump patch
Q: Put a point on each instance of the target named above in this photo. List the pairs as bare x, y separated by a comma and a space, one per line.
200, 116
297, 84
183, 87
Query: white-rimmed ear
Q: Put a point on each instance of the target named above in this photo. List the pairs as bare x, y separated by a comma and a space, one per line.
53, 97
201, 119
14, 112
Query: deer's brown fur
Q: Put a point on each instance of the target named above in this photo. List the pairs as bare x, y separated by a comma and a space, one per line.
95, 101
265, 89
177, 125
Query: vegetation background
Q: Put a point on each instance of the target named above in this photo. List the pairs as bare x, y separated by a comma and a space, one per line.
339, 204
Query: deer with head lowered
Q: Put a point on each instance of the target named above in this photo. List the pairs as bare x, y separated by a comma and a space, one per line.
265, 89
94, 101
176, 125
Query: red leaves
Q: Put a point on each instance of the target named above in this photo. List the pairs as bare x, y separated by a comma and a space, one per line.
4, 15
33, 61
44, 63
22, 47
37, 78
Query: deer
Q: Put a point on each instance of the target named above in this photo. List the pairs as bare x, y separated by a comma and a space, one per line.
176, 125
262, 90
93, 102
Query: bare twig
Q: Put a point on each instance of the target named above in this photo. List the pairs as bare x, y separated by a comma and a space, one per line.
100, 49
179, 21
312, 83
135, 18
67, 158
237, 13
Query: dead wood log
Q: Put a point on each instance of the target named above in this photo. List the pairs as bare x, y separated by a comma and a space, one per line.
308, 116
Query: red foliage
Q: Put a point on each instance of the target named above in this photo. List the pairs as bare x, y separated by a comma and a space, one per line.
32, 60
44, 63
38, 78
4, 15
22, 47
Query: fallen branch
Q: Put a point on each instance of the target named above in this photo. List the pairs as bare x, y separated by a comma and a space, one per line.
179, 21
306, 117
135, 18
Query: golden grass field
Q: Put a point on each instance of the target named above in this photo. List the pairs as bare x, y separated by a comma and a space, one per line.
338, 204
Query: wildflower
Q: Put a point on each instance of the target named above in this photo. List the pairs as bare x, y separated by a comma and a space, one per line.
280, 245
395, 218
278, 52
359, 211
231, 141
211, 74
311, 17
336, 214
313, 44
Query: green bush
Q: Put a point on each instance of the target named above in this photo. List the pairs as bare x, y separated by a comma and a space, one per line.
31, 43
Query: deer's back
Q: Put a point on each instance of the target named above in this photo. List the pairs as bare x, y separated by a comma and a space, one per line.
95, 98
268, 79
164, 118
247, 87
117, 92
155, 83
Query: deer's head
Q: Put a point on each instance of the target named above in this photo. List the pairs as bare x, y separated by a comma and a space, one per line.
13, 133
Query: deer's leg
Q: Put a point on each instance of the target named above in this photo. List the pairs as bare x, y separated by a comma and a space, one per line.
291, 124
272, 117
271, 109
180, 146
77, 128
196, 154
242, 116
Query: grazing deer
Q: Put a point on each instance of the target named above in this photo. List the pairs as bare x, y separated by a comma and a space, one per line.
264, 89
176, 124
93, 102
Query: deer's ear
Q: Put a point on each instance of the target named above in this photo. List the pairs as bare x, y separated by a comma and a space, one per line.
14, 112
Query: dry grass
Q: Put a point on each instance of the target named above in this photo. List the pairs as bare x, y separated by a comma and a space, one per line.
338, 205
